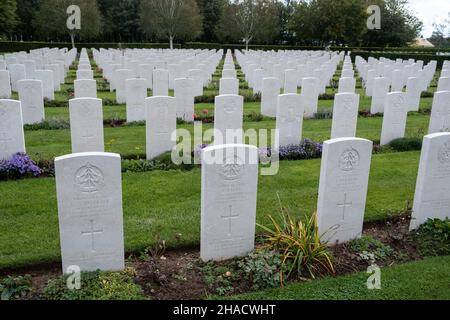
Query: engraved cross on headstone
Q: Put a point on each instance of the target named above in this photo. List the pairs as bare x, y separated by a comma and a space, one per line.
344, 205
92, 233
229, 217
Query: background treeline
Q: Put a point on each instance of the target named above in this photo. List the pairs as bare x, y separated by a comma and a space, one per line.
267, 22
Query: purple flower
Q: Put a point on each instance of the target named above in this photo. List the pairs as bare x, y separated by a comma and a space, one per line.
308, 149
19, 165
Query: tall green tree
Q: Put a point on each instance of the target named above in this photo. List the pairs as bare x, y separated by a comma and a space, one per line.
249, 20
171, 19
26, 11
212, 11
399, 26
51, 20
330, 21
8, 17
121, 20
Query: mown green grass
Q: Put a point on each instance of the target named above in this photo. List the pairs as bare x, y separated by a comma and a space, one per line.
426, 279
130, 140
164, 203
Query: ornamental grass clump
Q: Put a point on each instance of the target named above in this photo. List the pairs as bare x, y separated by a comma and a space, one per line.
19, 166
299, 243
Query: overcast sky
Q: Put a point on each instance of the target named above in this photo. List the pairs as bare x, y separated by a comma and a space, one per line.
430, 11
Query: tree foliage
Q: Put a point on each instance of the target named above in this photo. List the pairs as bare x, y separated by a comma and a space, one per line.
171, 19
249, 20
8, 17
51, 19
121, 20
212, 11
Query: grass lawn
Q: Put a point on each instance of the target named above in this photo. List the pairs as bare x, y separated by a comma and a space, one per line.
163, 203
130, 140
427, 279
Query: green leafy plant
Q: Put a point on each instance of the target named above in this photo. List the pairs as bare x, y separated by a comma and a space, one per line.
263, 267
433, 237
15, 287
96, 285
370, 249
299, 244
406, 144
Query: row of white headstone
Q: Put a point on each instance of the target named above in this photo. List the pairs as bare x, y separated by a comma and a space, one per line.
90, 210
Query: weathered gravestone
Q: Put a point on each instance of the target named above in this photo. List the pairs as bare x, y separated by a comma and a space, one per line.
31, 96
290, 81
269, 96
440, 113
394, 119
85, 88
228, 201
345, 115
228, 119
89, 191
290, 110
432, 196
229, 86
161, 123
86, 125
344, 176
5, 85
160, 82
12, 139
136, 92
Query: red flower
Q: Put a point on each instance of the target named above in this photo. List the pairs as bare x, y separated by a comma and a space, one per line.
205, 111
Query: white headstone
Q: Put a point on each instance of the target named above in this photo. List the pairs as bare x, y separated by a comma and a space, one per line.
345, 115
310, 91
89, 192
228, 119
269, 96
228, 201
379, 94
12, 139
5, 85
85, 88
394, 119
440, 113
46, 76
17, 72
86, 125
290, 110
413, 93
344, 177
184, 98
160, 82
85, 75
136, 92
229, 86
347, 85
121, 75
432, 196
444, 84
31, 96
161, 123
290, 81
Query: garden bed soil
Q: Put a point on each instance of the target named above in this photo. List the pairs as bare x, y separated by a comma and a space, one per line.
179, 274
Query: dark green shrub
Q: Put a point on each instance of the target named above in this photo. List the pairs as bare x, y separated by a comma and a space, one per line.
406, 144
433, 237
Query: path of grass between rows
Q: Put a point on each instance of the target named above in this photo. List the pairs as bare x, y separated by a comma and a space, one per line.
427, 279
130, 140
165, 203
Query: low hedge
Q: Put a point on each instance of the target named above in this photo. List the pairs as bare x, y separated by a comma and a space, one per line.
8, 46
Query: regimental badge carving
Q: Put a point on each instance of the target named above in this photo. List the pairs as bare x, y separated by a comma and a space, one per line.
231, 168
86, 108
348, 102
89, 178
349, 160
444, 153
